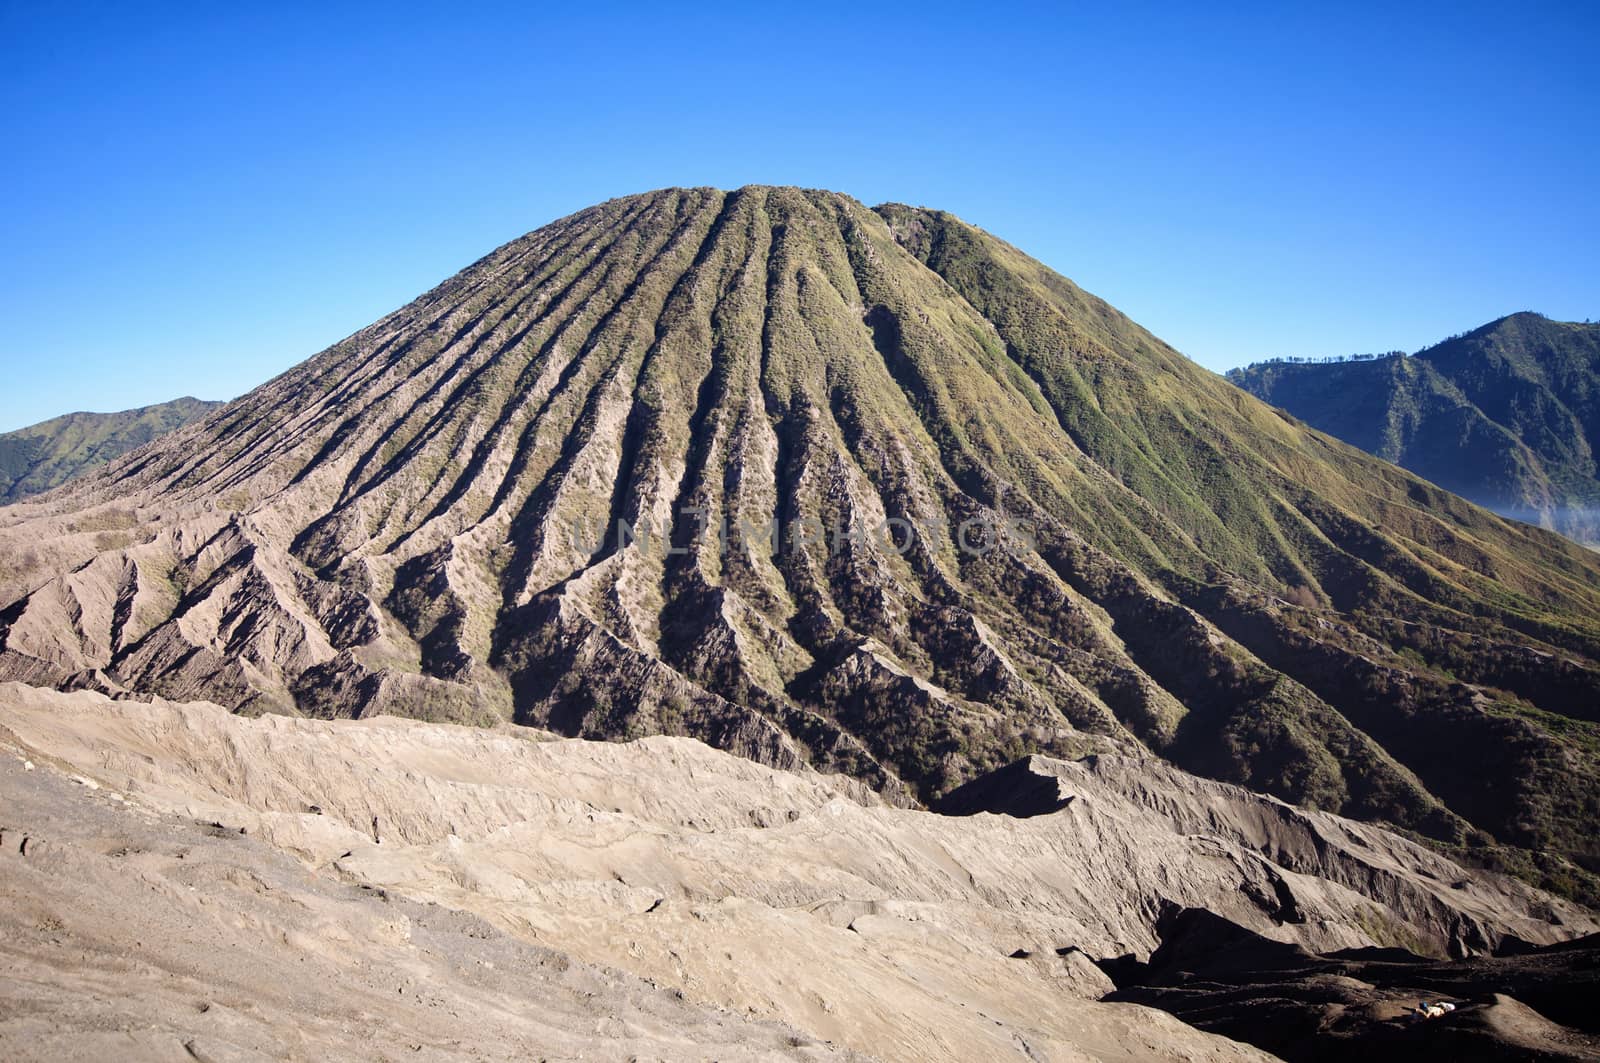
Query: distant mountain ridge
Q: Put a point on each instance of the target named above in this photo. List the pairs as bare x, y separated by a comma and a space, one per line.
1507, 415
48, 454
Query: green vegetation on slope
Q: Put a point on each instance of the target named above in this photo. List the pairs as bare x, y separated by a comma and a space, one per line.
387, 528
45, 455
1424, 583
1507, 415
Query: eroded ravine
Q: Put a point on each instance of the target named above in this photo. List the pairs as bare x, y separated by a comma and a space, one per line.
390, 527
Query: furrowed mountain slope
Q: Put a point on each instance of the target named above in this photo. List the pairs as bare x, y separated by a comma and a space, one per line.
421, 520
1507, 415
41, 456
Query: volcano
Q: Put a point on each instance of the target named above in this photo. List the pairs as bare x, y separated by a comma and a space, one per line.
863, 489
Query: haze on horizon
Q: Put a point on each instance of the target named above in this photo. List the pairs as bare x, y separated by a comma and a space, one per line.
252, 187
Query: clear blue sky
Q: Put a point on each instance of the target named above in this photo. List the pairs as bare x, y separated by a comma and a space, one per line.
198, 198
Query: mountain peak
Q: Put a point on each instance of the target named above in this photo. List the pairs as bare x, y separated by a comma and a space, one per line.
1505, 415
868, 490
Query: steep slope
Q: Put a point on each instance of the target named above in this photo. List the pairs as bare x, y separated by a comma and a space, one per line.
422, 520
1507, 415
39, 457
791, 898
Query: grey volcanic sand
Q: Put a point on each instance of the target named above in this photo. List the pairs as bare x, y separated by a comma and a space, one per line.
751, 911
131, 935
